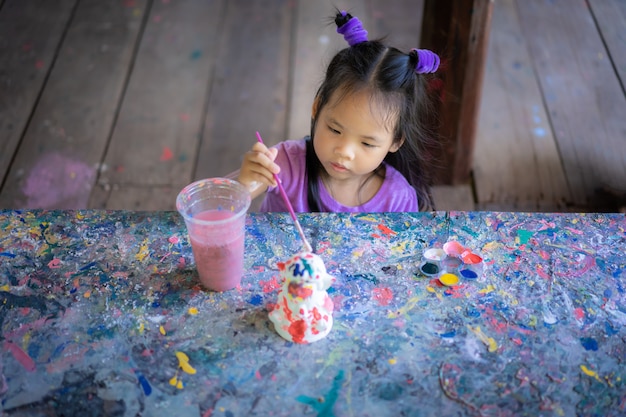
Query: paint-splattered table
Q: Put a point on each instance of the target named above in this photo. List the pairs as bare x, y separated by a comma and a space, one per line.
101, 314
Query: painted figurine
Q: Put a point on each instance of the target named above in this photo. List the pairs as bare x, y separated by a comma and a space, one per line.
303, 312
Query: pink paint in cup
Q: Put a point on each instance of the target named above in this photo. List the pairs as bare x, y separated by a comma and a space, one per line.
214, 211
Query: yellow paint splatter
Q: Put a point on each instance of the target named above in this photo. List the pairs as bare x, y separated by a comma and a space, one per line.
143, 251
590, 373
175, 382
490, 246
162, 330
488, 289
5, 287
79, 216
183, 362
141, 327
193, 311
87, 294
400, 247
490, 342
393, 361
410, 304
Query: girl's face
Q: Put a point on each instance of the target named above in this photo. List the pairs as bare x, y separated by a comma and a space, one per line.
351, 140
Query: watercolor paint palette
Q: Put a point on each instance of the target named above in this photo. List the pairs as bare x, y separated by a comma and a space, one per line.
451, 263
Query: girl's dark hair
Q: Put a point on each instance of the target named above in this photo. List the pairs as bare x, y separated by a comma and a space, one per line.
388, 74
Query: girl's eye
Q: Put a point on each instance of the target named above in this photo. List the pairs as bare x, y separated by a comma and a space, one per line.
368, 145
335, 131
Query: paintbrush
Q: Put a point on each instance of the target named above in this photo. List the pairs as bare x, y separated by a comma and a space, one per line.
307, 246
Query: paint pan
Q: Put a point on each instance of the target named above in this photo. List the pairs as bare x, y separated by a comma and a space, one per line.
431, 262
453, 248
470, 272
451, 264
430, 269
449, 279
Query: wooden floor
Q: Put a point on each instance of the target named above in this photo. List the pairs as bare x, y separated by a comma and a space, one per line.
120, 103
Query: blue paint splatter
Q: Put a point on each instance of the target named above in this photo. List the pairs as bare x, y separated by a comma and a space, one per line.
145, 385
610, 330
589, 343
256, 300
7, 255
449, 334
325, 406
196, 54
472, 312
89, 265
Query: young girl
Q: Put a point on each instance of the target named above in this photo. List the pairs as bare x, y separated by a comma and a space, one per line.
368, 151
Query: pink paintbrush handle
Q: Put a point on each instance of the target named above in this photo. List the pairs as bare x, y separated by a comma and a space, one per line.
307, 246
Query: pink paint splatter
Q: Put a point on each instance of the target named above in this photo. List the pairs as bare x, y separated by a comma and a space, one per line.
167, 154
269, 286
579, 313
173, 240
56, 181
22, 357
382, 295
55, 263
386, 231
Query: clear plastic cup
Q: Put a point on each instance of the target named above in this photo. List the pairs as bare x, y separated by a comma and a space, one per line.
214, 211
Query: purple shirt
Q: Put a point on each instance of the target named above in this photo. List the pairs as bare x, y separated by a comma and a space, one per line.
395, 193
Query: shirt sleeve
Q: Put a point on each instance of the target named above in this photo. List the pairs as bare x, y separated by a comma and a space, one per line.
291, 160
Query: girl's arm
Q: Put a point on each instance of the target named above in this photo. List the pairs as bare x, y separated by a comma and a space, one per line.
258, 167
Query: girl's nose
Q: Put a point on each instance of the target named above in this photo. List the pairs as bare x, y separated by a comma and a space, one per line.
344, 151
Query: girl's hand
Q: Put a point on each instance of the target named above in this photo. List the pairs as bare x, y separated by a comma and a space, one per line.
258, 167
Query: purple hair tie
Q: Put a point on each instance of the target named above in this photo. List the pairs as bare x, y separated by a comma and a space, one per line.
352, 30
427, 61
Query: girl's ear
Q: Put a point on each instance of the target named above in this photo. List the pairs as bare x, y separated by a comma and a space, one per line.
315, 108
396, 145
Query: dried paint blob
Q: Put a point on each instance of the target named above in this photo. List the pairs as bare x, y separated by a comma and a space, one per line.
448, 279
56, 179
430, 269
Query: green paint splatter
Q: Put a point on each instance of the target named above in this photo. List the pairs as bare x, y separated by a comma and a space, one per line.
324, 405
524, 236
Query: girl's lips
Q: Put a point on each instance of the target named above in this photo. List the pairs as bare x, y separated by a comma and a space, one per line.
338, 168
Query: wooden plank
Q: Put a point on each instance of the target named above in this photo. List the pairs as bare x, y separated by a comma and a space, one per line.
249, 89
610, 16
316, 42
453, 197
156, 136
583, 95
30, 35
57, 163
516, 160
131, 197
459, 32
